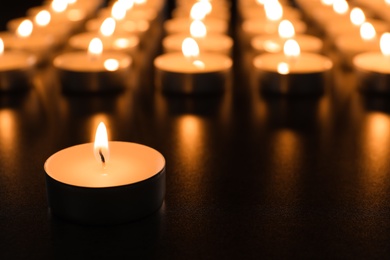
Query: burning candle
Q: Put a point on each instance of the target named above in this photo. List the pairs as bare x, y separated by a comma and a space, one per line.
191, 72
111, 41
349, 45
105, 182
274, 43
16, 69
93, 71
207, 42
291, 72
40, 45
373, 68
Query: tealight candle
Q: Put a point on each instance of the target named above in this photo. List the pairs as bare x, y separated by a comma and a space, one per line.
207, 42
182, 25
192, 73
274, 43
349, 45
373, 68
104, 183
94, 71
292, 72
118, 41
40, 45
16, 69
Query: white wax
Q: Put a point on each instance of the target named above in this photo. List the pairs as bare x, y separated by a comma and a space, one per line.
257, 26
372, 62
304, 64
274, 43
129, 163
15, 60
82, 62
211, 43
182, 25
119, 42
176, 62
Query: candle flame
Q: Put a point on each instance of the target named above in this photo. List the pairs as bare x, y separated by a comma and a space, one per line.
72, 2
197, 11
273, 10
340, 6
198, 29
95, 47
357, 16
111, 64
108, 27
127, 4
327, 2
1, 46
100, 146
367, 31
206, 6
59, 6
260, 2
139, 2
190, 48
283, 68
118, 11
387, 2
42, 18
25, 29
291, 48
385, 44
286, 29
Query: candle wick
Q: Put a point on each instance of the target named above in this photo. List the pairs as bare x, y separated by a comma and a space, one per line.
102, 158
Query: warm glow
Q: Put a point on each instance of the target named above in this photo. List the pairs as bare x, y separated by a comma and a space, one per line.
1, 46
95, 47
127, 4
59, 6
206, 6
357, 16
198, 29
273, 10
118, 11
121, 43
111, 64
139, 2
340, 6
387, 2
100, 146
70, 2
197, 11
272, 46
286, 29
25, 29
199, 64
260, 2
42, 18
385, 44
367, 31
190, 48
327, 2
283, 68
291, 48
108, 27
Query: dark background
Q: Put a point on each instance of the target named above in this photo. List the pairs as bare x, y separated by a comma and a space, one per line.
249, 176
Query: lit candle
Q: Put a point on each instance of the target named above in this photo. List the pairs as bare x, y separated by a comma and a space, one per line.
292, 72
40, 45
111, 41
258, 9
373, 68
16, 69
207, 42
191, 72
212, 9
274, 43
94, 71
105, 182
348, 45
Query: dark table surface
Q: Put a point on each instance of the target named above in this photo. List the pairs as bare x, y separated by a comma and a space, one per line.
249, 176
